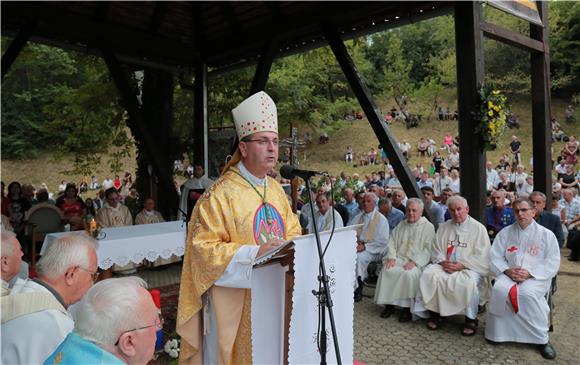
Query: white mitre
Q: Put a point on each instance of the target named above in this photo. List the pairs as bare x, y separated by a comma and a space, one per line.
256, 114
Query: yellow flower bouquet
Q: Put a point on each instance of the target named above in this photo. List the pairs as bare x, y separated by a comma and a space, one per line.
492, 116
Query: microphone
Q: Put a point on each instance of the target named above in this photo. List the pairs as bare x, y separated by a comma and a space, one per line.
289, 172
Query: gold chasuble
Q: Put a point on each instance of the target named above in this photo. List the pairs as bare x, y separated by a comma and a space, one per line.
229, 215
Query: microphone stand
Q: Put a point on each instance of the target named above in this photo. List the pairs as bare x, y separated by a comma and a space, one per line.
323, 294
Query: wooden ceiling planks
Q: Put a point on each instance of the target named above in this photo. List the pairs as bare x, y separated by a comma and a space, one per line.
225, 33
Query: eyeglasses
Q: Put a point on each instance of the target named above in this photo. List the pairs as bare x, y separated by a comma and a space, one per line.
94, 274
158, 323
264, 141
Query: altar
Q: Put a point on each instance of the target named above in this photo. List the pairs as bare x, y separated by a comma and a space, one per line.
120, 245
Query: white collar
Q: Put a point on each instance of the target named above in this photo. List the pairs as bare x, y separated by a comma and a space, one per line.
116, 209
5, 284
149, 213
251, 178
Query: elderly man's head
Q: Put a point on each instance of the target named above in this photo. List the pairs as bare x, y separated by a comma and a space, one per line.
538, 200
374, 188
385, 206
348, 195
323, 202
120, 316
69, 266
414, 210
11, 256
458, 208
369, 202
498, 199
397, 197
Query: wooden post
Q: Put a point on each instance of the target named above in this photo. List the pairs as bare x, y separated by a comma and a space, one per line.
374, 115
14, 49
200, 125
469, 51
541, 125
147, 139
157, 110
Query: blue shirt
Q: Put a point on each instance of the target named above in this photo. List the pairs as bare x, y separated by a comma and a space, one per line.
395, 217
498, 219
76, 350
350, 207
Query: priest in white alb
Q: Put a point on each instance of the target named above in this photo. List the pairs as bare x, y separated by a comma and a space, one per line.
199, 181
372, 239
409, 251
453, 283
525, 257
148, 214
325, 215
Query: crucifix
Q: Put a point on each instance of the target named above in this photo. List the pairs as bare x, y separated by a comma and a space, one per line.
294, 143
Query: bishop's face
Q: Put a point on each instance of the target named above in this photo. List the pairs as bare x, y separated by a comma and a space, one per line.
260, 152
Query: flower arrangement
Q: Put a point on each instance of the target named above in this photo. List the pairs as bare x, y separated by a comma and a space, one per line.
171, 348
492, 116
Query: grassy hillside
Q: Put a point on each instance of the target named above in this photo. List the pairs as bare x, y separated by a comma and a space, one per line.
359, 135
328, 157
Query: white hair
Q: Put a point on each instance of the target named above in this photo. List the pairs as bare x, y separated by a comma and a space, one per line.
416, 201
371, 194
8, 246
456, 199
109, 308
69, 250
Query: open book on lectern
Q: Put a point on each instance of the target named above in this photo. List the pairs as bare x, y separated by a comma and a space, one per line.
276, 252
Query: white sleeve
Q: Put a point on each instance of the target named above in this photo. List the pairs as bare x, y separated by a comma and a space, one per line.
238, 274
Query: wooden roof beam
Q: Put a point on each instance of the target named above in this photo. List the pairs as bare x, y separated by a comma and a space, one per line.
102, 11
158, 17
14, 49
57, 25
512, 38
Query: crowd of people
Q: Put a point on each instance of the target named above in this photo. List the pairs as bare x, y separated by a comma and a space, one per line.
445, 267
429, 269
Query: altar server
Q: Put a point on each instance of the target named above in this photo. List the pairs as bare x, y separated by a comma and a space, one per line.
525, 257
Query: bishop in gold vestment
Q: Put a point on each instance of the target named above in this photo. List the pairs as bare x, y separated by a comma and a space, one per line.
240, 213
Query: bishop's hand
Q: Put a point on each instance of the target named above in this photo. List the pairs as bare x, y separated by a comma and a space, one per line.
271, 244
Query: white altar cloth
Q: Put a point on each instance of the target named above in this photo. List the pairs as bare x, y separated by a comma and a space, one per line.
120, 245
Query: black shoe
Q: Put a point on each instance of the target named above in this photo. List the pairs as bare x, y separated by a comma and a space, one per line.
388, 311
492, 342
358, 295
547, 351
405, 315
573, 258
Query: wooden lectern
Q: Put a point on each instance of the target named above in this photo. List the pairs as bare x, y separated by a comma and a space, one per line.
284, 310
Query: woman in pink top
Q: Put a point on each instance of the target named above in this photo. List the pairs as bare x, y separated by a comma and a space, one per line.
448, 141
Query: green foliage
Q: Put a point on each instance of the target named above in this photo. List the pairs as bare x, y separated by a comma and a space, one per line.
65, 102
565, 45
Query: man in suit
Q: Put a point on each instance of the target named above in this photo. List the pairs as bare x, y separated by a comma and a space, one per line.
546, 219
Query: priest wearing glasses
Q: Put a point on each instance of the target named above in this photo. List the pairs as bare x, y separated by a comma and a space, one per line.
242, 215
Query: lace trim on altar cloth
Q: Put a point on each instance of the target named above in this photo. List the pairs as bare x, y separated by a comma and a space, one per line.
137, 257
